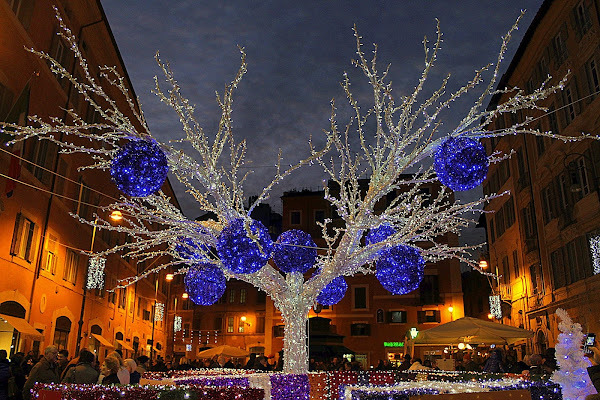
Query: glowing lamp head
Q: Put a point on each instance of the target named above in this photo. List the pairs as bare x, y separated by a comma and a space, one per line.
491, 316
450, 309
243, 318
483, 264
461, 346
169, 277
116, 215
185, 295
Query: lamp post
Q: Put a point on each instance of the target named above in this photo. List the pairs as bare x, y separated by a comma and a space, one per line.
115, 216
154, 318
451, 311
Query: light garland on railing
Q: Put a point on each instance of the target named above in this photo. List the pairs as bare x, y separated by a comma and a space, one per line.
95, 275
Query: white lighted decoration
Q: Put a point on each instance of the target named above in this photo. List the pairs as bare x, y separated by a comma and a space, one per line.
177, 324
159, 312
495, 306
413, 332
95, 276
396, 135
595, 253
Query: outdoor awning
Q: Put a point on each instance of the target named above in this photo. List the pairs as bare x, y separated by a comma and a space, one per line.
8, 323
125, 345
102, 341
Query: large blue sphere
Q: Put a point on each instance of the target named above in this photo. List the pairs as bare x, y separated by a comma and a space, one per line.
239, 253
140, 168
334, 292
205, 283
461, 163
379, 234
188, 249
294, 251
400, 269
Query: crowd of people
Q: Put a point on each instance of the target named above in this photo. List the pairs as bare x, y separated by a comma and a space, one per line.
18, 376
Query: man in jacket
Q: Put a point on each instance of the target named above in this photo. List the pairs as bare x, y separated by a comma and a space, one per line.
83, 372
42, 372
4, 375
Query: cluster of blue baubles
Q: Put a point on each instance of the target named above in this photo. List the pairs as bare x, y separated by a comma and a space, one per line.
140, 168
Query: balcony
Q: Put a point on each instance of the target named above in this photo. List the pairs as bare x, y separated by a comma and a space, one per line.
505, 291
536, 301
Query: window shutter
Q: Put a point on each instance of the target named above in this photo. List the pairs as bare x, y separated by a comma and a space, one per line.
16, 235
575, 23
420, 316
438, 316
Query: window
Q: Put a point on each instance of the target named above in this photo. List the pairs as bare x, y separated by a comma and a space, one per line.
540, 145
360, 297
278, 330
51, 254
123, 298
218, 324
509, 212
360, 329
528, 221
581, 18
560, 46
23, 10
547, 205
71, 266
571, 110
61, 332
515, 256
232, 295
430, 290
260, 324
146, 316
242, 296
537, 282
428, 316
398, 317
593, 79
139, 307
261, 297
22, 241
295, 217
241, 325
380, 316
59, 51
492, 231
112, 296
229, 324
552, 120
579, 178
319, 215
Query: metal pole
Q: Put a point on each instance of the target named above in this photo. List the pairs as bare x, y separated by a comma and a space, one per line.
84, 295
154, 318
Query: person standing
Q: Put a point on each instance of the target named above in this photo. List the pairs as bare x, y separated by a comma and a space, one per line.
42, 372
62, 359
4, 375
83, 371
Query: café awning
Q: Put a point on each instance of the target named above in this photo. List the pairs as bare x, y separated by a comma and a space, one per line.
125, 345
8, 323
102, 340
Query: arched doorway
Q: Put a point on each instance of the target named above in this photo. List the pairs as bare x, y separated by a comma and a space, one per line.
94, 344
61, 332
10, 340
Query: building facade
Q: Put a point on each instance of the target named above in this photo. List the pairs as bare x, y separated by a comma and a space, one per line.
44, 251
543, 237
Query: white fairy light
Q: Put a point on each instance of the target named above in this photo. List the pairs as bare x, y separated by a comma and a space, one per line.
403, 139
95, 275
595, 253
496, 306
159, 312
177, 322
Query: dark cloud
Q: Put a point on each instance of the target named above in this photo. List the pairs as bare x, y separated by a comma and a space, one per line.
297, 53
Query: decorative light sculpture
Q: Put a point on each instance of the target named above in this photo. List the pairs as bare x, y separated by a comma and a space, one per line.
294, 251
244, 246
461, 163
95, 275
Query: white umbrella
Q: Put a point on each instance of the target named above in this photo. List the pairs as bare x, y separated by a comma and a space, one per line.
224, 350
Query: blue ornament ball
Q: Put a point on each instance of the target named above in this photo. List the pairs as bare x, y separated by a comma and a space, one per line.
239, 253
334, 292
140, 168
400, 269
379, 234
461, 163
294, 251
205, 283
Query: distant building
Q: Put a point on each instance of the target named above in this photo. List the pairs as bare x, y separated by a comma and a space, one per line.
43, 250
544, 238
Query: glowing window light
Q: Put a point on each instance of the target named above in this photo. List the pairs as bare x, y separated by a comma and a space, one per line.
95, 276
177, 323
159, 312
495, 307
595, 253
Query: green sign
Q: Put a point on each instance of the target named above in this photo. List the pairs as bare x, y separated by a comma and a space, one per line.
393, 344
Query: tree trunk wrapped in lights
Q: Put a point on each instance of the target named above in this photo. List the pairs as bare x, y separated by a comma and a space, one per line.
403, 137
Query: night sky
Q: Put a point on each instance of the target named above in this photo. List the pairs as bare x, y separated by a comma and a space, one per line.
297, 52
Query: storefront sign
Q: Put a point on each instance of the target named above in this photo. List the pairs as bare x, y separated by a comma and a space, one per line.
393, 344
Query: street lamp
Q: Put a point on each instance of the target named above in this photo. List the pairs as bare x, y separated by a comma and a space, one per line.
115, 216
451, 310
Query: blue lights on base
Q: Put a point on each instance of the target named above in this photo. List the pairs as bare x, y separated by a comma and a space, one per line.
140, 168
334, 292
205, 283
241, 254
294, 251
400, 269
461, 163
